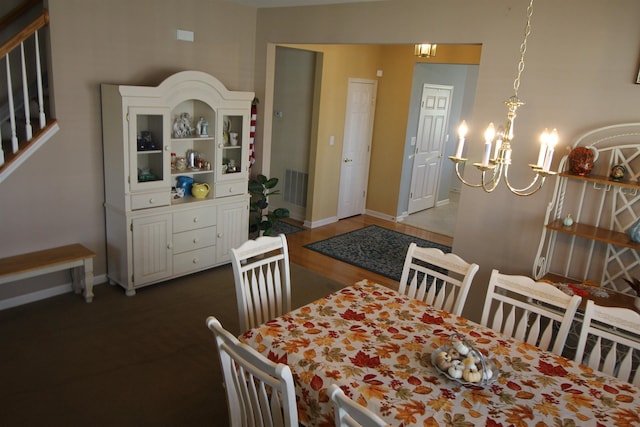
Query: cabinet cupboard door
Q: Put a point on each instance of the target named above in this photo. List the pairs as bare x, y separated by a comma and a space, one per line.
233, 228
152, 254
149, 150
232, 148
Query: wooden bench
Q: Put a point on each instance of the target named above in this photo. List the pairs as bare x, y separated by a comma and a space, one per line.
75, 257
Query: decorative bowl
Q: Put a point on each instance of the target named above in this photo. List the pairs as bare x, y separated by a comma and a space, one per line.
470, 368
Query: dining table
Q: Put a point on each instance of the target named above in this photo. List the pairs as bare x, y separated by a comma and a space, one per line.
377, 344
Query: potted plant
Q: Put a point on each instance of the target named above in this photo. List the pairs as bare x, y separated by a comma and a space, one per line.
261, 221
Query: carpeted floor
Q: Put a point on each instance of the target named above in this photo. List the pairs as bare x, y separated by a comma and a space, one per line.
375, 248
285, 228
147, 360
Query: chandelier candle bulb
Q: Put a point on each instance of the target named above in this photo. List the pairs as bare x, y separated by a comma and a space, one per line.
489, 134
551, 145
462, 132
500, 135
543, 148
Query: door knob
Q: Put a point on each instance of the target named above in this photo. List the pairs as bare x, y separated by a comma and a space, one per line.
347, 160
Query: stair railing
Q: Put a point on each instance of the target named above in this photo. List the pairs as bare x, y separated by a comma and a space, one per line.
18, 40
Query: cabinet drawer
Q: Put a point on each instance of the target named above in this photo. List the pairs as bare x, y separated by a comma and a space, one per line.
194, 218
194, 260
223, 189
150, 200
194, 239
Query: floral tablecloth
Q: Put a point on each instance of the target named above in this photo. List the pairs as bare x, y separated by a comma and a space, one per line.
376, 345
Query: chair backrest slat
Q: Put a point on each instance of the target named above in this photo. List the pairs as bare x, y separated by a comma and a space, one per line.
349, 413
262, 278
612, 332
538, 312
439, 279
260, 393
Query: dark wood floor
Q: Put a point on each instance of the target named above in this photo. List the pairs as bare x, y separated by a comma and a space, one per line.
338, 270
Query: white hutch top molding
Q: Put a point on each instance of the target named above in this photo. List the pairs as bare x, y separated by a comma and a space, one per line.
594, 246
176, 162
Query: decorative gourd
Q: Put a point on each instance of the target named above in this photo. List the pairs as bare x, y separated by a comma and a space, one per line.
461, 348
443, 360
472, 374
455, 371
454, 354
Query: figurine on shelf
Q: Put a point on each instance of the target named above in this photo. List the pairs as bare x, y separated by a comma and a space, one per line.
567, 221
226, 125
202, 127
618, 172
182, 126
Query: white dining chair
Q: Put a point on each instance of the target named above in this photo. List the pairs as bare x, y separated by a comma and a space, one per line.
350, 414
259, 391
535, 312
610, 341
262, 279
439, 279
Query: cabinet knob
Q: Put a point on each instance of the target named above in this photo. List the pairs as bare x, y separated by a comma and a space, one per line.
196, 240
230, 190
169, 245
196, 260
195, 219
151, 201
219, 235
167, 148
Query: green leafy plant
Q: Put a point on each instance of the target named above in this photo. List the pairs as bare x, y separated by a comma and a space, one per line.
261, 219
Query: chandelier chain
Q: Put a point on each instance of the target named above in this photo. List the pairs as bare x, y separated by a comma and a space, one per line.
523, 49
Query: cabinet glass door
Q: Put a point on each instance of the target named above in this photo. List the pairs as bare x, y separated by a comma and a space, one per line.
149, 156
233, 145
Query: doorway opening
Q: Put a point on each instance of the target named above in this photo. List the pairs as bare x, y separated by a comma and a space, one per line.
440, 215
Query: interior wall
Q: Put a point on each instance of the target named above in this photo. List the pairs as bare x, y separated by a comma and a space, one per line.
292, 120
57, 196
338, 63
564, 86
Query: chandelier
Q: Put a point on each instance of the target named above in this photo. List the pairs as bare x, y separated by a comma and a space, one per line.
494, 168
425, 50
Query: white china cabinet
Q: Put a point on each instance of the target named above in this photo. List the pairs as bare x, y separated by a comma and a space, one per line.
594, 245
159, 144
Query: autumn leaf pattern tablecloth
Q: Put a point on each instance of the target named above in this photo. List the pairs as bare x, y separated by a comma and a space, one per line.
376, 345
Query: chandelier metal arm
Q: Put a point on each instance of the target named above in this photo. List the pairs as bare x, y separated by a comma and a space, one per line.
528, 190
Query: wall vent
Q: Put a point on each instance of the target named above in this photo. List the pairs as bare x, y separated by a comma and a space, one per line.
295, 187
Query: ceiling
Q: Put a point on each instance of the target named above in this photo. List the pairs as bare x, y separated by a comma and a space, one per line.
288, 3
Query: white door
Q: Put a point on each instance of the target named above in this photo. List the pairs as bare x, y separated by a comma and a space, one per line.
427, 160
356, 149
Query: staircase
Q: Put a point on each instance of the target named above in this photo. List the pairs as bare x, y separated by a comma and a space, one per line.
24, 101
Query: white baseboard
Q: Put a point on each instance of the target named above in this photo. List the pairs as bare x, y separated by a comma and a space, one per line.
45, 293
442, 202
381, 215
326, 221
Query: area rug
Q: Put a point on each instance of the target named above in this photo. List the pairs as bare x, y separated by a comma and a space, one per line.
282, 227
374, 248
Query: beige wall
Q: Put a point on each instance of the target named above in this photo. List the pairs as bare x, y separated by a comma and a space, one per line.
339, 63
57, 196
581, 62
